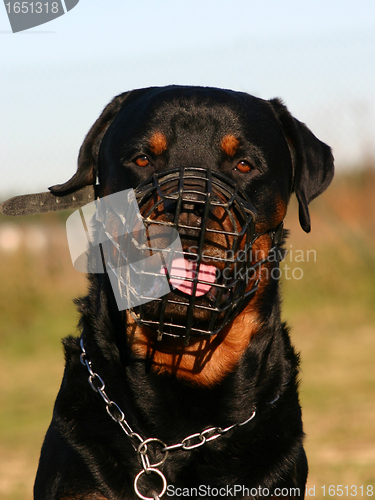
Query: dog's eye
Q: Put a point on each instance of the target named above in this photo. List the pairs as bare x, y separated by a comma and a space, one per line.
243, 166
142, 161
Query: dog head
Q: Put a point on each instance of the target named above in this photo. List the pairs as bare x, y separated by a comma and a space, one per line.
253, 142
218, 166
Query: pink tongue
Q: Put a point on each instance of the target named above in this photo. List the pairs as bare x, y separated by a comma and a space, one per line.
182, 270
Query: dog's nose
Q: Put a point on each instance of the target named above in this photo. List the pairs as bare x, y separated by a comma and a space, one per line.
190, 217
192, 208
190, 213
190, 204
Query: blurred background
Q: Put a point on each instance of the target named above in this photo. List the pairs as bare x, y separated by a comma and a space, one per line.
319, 57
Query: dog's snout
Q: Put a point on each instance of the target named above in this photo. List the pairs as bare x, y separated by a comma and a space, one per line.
193, 207
189, 203
190, 218
196, 198
189, 214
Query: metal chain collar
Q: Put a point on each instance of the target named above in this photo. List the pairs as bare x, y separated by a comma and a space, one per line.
139, 444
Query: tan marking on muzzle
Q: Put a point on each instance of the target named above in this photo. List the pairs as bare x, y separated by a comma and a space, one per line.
205, 361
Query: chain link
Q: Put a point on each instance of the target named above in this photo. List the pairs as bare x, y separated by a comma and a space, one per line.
206, 436
113, 410
190, 442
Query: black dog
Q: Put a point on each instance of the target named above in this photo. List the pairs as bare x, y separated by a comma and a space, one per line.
219, 402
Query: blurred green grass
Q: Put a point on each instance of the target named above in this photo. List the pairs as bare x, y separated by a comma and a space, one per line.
332, 315
36, 311
330, 311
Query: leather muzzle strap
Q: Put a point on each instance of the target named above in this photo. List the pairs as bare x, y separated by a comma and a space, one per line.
39, 203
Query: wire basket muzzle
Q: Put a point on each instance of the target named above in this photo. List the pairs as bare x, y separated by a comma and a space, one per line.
189, 265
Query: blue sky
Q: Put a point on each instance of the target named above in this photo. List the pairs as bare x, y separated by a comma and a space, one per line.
56, 78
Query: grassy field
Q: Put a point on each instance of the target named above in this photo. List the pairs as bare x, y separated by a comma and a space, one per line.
329, 291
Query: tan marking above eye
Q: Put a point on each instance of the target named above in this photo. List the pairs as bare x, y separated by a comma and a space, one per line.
229, 144
158, 143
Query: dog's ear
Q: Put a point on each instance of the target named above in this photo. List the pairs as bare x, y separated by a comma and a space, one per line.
89, 151
312, 161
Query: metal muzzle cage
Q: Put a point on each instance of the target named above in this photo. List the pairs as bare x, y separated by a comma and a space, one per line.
215, 222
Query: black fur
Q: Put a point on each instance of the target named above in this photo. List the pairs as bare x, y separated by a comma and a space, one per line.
85, 454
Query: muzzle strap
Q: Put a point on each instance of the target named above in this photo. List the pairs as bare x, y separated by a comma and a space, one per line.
40, 203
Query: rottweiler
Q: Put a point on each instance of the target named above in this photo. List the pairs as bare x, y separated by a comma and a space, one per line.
195, 393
